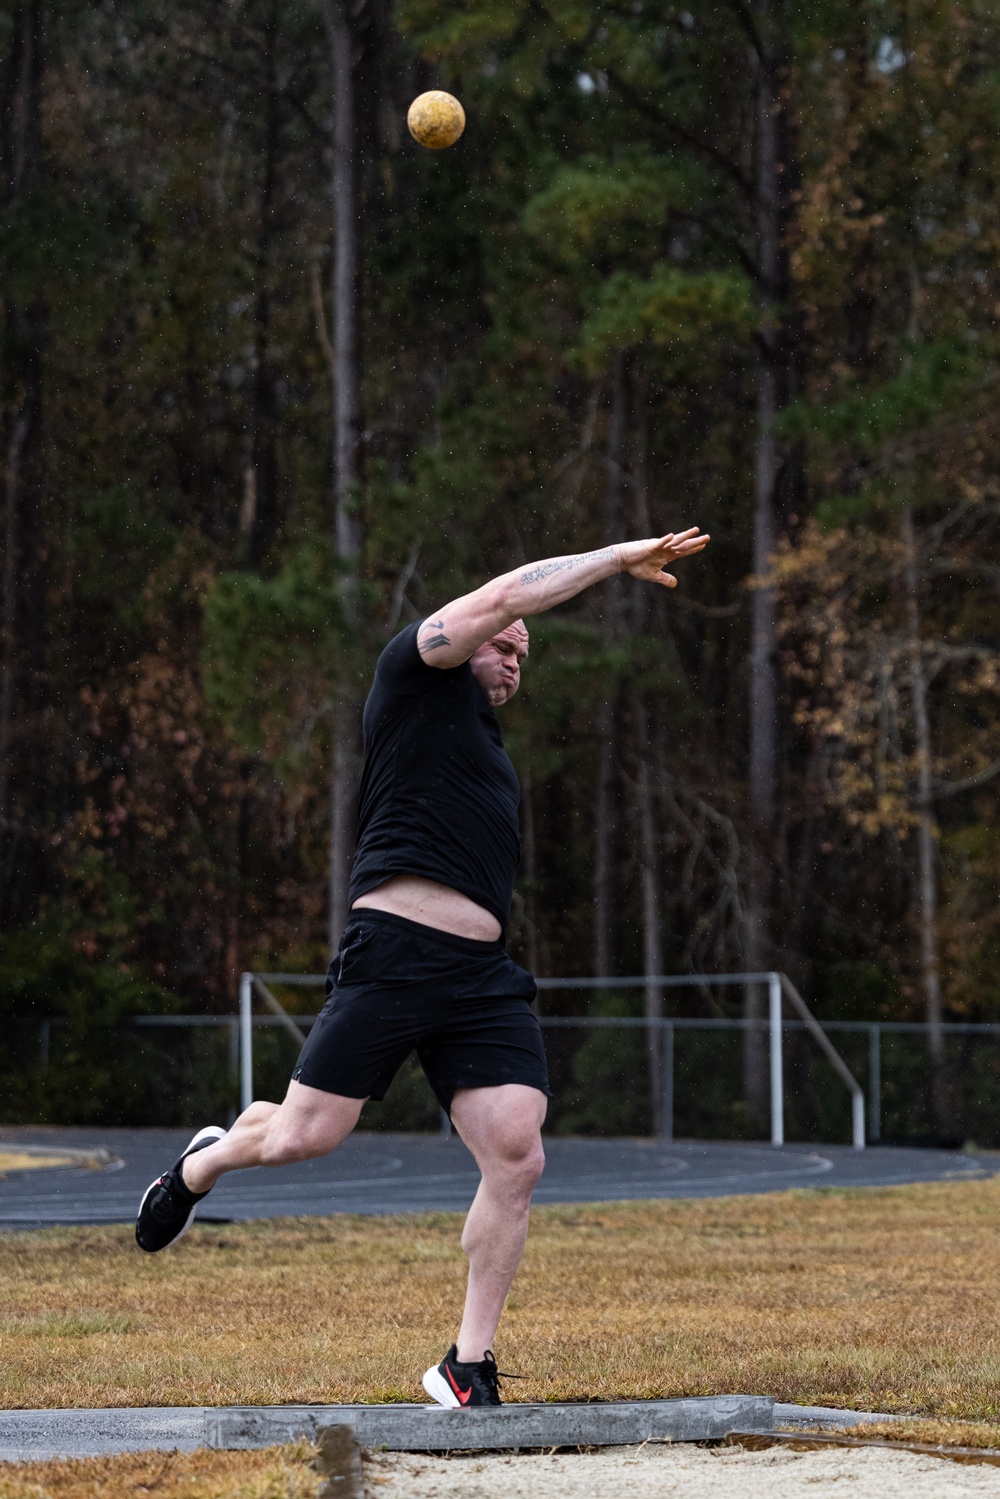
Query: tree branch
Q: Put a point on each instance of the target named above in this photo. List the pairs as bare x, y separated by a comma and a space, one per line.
953, 788
746, 19
232, 70
684, 136
320, 311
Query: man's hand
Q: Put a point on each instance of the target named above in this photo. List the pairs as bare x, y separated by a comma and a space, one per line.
647, 559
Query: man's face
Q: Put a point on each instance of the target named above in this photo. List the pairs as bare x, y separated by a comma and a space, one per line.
496, 665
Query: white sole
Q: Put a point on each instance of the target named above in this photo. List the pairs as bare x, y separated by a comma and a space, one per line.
439, 1389
211, 1132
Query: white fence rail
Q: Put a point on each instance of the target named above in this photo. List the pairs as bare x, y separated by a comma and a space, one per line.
779, 988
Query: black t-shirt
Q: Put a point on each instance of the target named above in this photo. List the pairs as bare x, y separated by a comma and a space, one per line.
439, 796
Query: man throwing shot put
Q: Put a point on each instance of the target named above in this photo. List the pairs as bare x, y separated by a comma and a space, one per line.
422, 965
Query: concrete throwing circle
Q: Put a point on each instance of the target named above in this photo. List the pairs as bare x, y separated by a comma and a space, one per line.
17, 1158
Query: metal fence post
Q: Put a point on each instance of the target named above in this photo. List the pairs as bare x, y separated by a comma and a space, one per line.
875, 1083
858, 1120
777, 1078
246, 1040
233, 1031
667, 1083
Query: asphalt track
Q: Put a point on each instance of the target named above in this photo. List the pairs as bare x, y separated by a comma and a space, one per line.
397, 1173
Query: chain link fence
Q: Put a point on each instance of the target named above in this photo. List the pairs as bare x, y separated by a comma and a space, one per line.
165, 1070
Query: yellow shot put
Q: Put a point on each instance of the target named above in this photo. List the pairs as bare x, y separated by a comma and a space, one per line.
436, 119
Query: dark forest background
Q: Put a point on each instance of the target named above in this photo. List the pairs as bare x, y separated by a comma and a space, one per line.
275, 381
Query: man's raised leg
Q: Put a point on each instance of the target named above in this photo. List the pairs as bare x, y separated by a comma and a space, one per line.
502, 1128
308, 1123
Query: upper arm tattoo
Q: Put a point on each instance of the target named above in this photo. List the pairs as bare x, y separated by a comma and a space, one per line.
563, 564
431, 642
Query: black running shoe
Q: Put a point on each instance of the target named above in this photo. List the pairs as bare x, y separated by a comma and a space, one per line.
168, 1208
461, 1385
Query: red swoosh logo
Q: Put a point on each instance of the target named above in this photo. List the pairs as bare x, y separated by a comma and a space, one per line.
463, 1395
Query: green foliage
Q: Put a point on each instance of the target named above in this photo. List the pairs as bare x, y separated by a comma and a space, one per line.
52, 249
683, 317
72, 1054
857, 990
114, 541
594, 209
606, 1091
938, 379
42, 973
461, 27
270, 641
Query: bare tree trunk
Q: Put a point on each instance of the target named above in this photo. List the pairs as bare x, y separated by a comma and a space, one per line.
763, 764
645, 602
346, 404
346, 770
605, 822
927, 830
604, 845
530, 865
346, 434
20, 164
652, 932
257, 519
8, 662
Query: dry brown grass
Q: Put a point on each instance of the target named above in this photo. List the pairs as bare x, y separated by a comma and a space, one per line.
275, 1473
935, 1433
880, 1300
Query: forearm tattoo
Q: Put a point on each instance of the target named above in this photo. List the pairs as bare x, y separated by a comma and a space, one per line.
563, 564
431, 642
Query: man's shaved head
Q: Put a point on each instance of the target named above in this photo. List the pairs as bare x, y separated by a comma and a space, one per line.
518, 632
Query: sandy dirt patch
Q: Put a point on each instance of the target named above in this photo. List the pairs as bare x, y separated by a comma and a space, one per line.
39, 1158
692, 1472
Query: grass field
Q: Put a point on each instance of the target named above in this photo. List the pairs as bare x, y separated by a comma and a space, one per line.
882, 1300
275, 1473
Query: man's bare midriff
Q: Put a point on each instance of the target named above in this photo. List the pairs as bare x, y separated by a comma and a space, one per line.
431, 905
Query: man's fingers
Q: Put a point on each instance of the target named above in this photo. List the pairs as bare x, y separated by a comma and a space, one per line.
676, 544
681, 543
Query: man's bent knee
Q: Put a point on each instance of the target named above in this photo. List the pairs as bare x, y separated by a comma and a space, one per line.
522, 1148
518, 1167
284, 1145
534, 1163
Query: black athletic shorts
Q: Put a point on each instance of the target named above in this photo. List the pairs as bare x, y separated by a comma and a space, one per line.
395, 987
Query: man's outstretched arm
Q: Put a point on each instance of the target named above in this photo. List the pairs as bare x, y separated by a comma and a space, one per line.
458, 630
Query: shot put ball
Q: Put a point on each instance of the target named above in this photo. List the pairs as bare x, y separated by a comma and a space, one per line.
436, 120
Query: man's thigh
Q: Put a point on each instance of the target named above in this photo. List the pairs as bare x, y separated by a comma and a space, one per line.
358, 1043
316, 1120
485, 1045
